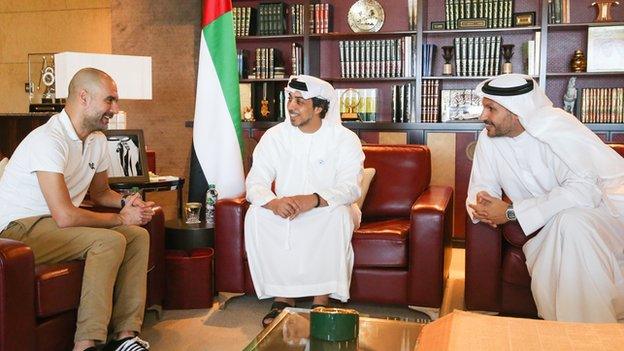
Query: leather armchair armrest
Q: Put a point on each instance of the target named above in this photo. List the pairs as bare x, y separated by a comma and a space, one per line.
230, 245
17, 296
483, 267
430, 245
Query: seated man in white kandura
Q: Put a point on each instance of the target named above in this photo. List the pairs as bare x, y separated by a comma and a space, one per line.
563, 179
298, 238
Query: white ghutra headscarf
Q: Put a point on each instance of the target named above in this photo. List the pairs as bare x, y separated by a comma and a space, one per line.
311, 87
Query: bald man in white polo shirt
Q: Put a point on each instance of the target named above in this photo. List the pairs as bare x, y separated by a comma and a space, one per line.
40, 193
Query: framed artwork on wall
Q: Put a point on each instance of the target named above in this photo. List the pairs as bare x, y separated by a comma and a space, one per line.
128, 159
605, 49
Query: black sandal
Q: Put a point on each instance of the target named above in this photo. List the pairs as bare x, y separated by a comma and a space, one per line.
276, 308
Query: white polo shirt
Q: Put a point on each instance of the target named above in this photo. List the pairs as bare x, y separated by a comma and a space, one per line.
52, 147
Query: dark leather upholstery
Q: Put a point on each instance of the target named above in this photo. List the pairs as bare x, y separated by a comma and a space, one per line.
497, 278
189, 278
402, 249
38, 304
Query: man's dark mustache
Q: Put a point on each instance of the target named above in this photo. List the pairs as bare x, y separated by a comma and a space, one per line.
488, 123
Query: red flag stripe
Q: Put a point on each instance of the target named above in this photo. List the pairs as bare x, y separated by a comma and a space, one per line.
213, 9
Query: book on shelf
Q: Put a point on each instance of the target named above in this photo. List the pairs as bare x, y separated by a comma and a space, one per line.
605, 49
362, 101
496, 13
412, 14
531, 55
558, 11
459, 105
601, 105
428, 57
242, 56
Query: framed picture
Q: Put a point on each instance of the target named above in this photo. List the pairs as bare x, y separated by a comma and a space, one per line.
438, 25
458, 105
605, 49
524, 19
128, 159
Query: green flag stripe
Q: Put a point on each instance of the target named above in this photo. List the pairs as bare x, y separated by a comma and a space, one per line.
219, 36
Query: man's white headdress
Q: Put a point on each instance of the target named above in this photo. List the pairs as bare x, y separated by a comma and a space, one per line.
311, 87
573, 142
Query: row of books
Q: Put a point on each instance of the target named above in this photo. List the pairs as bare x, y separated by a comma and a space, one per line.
268, 64
477, 56
531, 55
430, 101
558, 11
383, 58
498, 13
320, 18
402, 107
601, 105
296, 15
296, 56
271, 18
359, 101
244, 20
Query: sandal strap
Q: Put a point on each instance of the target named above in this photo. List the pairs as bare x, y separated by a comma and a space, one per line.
279, 305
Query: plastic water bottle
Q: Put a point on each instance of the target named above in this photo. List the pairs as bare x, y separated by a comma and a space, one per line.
211, 201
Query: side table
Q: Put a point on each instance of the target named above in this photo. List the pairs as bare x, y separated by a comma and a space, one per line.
180, 235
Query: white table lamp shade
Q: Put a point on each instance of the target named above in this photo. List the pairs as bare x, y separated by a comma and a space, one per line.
133, 74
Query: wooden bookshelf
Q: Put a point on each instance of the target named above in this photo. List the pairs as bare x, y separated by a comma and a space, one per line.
448, 141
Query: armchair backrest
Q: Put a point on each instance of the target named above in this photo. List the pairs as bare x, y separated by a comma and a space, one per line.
403, 172
619, 148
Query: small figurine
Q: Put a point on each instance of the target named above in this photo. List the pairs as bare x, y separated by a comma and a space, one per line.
569, 99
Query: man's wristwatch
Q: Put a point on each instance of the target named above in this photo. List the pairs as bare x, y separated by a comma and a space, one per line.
510, 214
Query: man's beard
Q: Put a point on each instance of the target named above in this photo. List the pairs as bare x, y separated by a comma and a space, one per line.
94, 123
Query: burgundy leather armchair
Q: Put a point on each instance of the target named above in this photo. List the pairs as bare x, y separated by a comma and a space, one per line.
497, 279
402, 248
38, 304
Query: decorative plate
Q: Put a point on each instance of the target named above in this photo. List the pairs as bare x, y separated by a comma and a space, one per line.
366, 16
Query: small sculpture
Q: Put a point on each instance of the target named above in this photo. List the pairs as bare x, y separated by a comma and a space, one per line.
569, 99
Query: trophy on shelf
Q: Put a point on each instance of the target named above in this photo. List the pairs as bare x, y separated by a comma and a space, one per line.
578, 63
447, 54
603, 10
507, 55
351, 99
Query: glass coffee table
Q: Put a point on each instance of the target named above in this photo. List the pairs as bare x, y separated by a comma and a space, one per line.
374, 334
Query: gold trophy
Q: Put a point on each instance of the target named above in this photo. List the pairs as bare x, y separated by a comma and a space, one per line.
603, 10
350, 99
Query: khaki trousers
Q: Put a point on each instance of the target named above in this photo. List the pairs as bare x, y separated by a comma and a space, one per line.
114, 280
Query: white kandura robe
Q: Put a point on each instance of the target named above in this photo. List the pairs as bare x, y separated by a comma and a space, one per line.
576, 262
310, 255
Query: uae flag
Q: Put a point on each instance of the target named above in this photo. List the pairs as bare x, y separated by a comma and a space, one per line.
217, 127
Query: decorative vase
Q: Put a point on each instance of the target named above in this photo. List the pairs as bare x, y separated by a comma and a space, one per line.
578, 62
507, 54
603, 10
